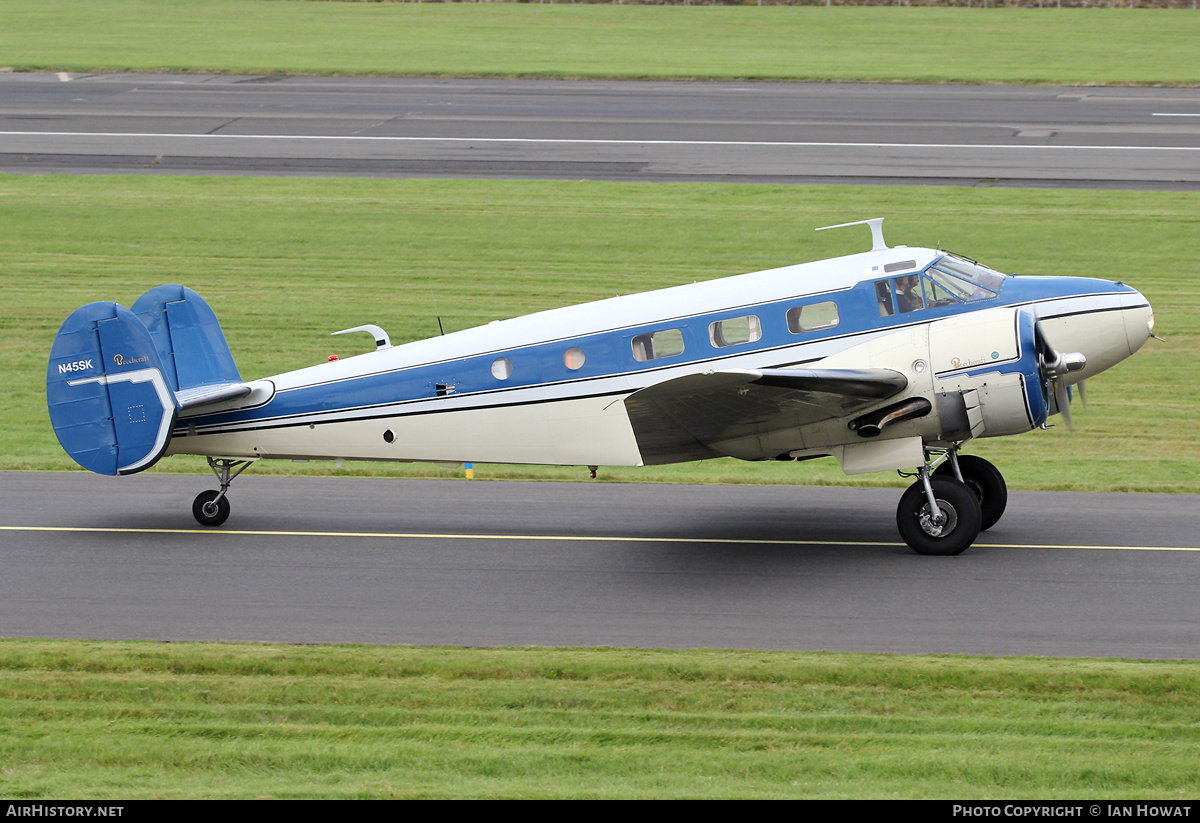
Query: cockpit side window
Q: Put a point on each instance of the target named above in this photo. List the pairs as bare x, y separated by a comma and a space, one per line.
900, 294
909, 294
883, 295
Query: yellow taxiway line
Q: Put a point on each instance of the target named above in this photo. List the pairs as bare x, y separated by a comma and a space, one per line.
570, 538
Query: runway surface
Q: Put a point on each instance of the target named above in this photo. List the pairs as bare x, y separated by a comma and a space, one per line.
590, 564
602, 130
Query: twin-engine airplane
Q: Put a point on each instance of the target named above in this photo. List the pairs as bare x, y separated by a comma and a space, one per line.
892, 359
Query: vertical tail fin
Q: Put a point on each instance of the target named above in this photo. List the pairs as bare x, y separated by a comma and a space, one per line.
110, 403
187, 337
118, 379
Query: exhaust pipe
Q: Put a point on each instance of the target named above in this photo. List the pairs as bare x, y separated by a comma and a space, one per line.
873, 424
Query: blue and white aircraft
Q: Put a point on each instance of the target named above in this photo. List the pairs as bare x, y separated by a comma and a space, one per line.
892, 359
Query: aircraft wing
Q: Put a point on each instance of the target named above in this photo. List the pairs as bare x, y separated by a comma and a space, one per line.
682, 418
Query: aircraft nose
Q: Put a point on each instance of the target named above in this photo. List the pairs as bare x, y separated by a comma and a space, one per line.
1104, 338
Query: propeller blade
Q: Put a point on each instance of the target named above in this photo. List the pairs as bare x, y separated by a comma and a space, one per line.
1064, 402
1044, 349
1054, 367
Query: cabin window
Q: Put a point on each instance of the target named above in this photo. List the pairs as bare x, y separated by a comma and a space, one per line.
734, 331
813, 317
655, 345
573, 358
502, 368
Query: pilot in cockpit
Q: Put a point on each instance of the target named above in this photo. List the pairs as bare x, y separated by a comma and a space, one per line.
908, 293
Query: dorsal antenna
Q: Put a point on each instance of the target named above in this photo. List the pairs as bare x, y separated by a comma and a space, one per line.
876, 224
382, 341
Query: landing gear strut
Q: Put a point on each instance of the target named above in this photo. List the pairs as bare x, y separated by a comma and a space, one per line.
211, 508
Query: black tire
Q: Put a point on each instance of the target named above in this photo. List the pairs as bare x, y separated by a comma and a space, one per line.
210, 513
955, 501
985, 481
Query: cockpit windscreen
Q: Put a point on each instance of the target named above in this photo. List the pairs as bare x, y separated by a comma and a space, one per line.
979, 276
949, 281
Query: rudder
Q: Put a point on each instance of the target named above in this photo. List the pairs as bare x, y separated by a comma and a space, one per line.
111, 405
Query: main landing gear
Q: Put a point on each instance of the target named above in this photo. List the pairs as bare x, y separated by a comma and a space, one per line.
944, 511
983, 479
211, 508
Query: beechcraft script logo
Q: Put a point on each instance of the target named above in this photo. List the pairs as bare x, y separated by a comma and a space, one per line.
960, 363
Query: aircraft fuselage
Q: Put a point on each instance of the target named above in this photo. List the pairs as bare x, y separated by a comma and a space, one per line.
550, 388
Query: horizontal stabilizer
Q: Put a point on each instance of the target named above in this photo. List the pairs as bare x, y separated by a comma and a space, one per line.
689, 417
208, 395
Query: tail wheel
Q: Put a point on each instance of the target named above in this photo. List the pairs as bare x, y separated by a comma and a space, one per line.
949, 530
985, 482
210, 508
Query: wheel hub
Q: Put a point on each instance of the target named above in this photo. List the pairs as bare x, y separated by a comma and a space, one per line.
935, 526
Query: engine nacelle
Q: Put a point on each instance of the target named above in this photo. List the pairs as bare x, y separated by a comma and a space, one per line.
987, 380
969, 376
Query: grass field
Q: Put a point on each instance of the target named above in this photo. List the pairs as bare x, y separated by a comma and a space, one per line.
144, 720
284, 262
938, 45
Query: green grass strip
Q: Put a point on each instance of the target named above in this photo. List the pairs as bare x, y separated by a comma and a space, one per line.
926, 45
128, 720
284, 262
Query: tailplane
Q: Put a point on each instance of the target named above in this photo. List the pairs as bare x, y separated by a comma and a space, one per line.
119, 378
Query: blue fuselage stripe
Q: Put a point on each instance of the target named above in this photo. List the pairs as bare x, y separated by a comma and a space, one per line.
541, 375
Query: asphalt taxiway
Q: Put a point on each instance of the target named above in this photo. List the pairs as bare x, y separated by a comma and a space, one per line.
479, 563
